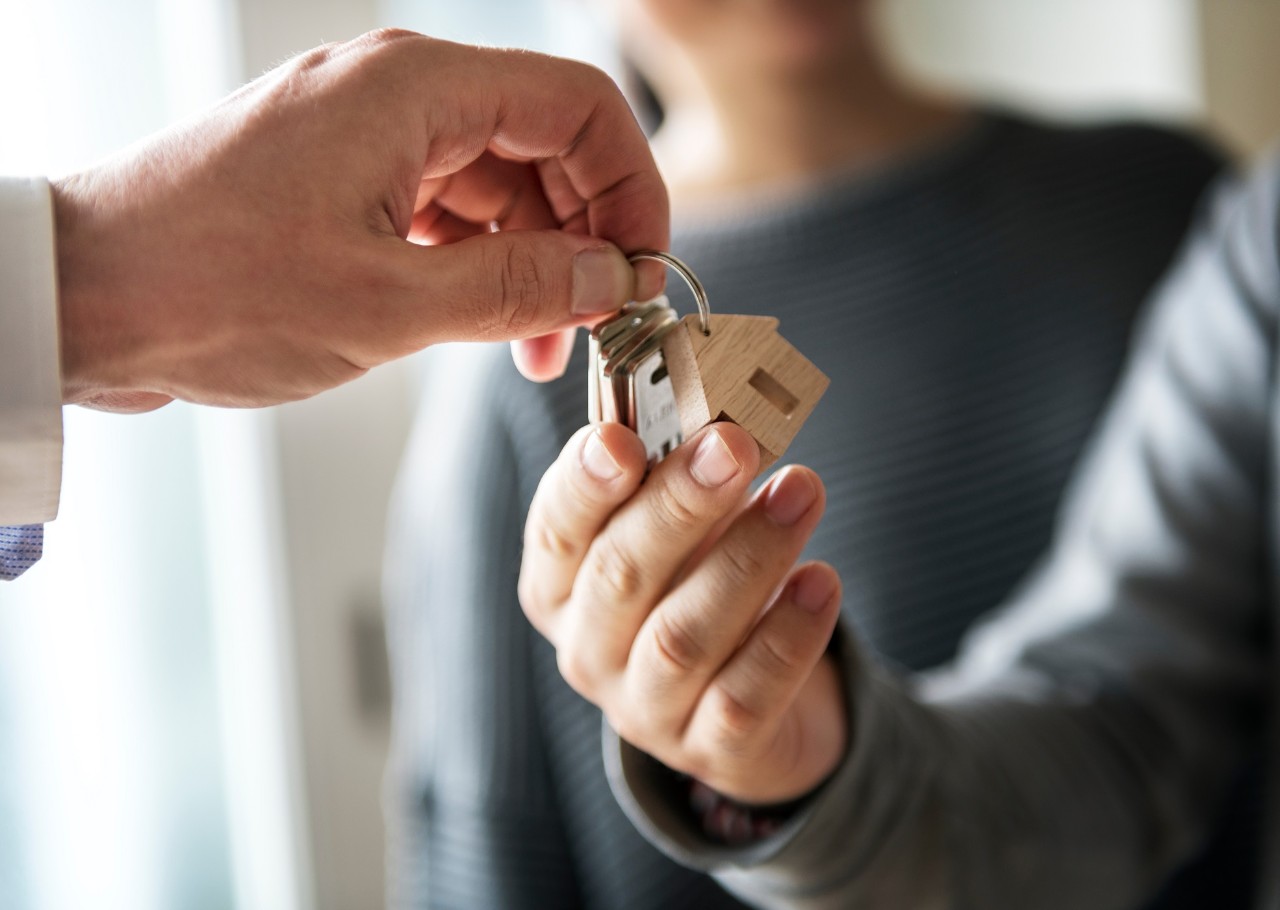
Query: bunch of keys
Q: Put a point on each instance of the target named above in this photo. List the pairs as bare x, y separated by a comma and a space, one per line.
667, 377
629, 382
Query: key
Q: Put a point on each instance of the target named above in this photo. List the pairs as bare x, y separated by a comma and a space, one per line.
666, 377
651, 404
628, 382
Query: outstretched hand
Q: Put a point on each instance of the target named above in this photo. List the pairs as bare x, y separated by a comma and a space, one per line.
266, 250
678, 609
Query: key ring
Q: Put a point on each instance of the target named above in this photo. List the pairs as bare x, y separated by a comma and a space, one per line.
699, 292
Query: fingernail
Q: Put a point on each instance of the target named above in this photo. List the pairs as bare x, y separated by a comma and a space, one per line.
713, 464
813, 591
598, 461
602, 281
790, 497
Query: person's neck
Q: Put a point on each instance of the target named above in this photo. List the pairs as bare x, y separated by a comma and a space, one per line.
743, 134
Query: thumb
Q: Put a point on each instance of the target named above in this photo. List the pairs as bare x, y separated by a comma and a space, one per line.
519, 284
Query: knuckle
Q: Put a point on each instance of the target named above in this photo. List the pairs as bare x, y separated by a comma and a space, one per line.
381, 41
314, 58
299, 78
621, 576
779, 656
596, 78
668, 510
530, 600
735, 725
523, 290
554, 542
677, 647
743, 562
385, 55
389, 35
575, 670
585, 77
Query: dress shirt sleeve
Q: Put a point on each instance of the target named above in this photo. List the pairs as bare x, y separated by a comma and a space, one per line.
1085, 738
30, 377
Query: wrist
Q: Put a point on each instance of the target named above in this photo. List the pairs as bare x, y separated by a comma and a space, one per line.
740, 820
71, 212
96, 345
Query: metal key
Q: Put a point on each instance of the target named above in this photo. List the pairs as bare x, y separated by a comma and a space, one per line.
628, 382
747, 373
651, 405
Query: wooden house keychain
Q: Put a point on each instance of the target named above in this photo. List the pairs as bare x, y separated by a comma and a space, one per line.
667, 377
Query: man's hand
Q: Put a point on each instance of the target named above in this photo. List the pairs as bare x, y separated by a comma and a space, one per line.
679, 611
273, 247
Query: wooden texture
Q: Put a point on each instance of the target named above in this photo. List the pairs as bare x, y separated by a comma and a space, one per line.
744, 371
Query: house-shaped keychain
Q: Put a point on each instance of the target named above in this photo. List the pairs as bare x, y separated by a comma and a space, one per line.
742, 370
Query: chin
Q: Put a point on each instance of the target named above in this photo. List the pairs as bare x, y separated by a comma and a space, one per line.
798, 54
801, 34
774, 35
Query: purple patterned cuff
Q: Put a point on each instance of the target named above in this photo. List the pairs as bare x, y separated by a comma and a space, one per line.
732, 823
20, 549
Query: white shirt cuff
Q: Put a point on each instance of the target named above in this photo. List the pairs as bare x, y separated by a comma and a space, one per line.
30, 374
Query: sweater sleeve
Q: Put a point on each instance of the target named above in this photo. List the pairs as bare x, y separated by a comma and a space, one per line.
1083, 741
30, 381
471, 816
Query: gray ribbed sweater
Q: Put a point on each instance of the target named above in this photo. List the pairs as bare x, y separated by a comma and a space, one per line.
971, 307
1086, 738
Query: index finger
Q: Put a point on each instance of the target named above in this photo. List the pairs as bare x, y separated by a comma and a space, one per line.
598, 470
538, 107
630, 565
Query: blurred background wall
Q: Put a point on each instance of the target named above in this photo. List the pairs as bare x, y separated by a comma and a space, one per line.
193, 702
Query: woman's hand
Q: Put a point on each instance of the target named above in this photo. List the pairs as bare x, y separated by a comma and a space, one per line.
679, 610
